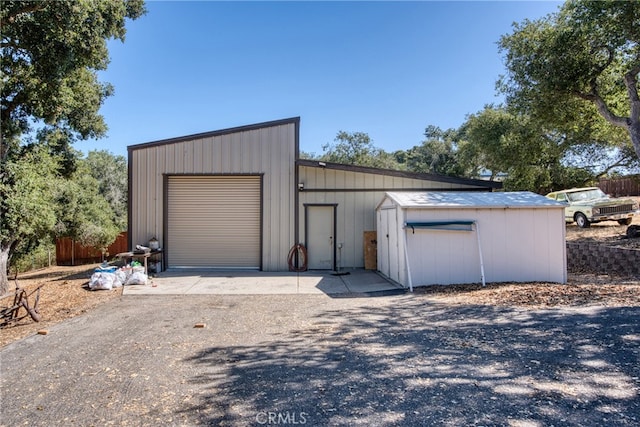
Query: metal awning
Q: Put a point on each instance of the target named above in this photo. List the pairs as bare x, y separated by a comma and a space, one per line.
441, 225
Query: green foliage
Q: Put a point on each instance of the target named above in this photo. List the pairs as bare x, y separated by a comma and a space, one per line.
27, 210
308, 155
43, 255
38, 204
110, 172
51, 52
356, 148
534, 156
507, 144
438, 153
578, 68
572, 112
50, 97
83, 214
484, 135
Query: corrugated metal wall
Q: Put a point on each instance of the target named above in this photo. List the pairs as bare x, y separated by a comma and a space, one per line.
268, 150
214, 221
357, 194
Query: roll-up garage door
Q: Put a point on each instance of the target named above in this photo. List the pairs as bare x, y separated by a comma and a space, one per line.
213, 221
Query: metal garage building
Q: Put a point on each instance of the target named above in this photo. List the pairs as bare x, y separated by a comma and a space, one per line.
241, 198
427, 238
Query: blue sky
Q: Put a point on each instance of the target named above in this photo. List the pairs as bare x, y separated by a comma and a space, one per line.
389, 69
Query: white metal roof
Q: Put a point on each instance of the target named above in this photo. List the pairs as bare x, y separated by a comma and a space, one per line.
471, 199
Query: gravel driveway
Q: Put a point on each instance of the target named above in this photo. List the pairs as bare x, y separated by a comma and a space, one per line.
315, 360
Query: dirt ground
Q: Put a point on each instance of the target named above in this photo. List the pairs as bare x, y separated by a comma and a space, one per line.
608, 232
65, 293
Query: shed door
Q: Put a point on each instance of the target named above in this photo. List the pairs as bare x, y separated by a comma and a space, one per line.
388, 237
394, 247
383, 242
214, 221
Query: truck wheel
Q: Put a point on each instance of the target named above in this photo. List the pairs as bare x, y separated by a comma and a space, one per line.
633, 231
582, 220
626, 221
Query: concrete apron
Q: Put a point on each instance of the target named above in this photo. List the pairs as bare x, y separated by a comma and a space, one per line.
243, 282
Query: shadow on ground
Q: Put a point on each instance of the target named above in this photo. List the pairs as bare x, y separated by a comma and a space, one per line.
419, 363
45, 274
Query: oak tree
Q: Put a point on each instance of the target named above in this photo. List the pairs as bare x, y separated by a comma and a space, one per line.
357, 148
110, 172
581, 62
50, 96
437, 154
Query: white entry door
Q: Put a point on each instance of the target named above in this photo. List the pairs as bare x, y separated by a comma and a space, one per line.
320, 231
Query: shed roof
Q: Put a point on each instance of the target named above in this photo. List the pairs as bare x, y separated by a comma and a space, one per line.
471, 199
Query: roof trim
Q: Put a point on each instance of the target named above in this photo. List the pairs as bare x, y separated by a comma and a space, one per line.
469, 200
440, 225
574, 190
400, 174
273, 123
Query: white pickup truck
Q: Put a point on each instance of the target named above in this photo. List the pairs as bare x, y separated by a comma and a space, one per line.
590, 205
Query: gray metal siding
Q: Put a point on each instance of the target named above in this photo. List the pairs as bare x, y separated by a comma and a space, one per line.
269, 149
357, 195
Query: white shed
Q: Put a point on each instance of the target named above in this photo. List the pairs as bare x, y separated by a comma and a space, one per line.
448, 237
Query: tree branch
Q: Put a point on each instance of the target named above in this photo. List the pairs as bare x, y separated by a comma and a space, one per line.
625, 161
603, 109
27, 8
9, 106
607, 62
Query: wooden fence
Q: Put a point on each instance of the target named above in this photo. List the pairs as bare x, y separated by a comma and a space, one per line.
69, 252
623, 186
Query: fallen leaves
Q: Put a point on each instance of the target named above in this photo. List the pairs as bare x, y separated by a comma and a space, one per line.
581, 290
65, 294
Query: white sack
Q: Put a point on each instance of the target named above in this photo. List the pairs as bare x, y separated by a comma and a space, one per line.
137, 278
102, 281
120, 279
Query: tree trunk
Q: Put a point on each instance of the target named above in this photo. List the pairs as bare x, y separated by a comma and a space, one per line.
634, 131
5, 251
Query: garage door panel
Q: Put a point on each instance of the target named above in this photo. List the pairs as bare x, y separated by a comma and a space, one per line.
214, 222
